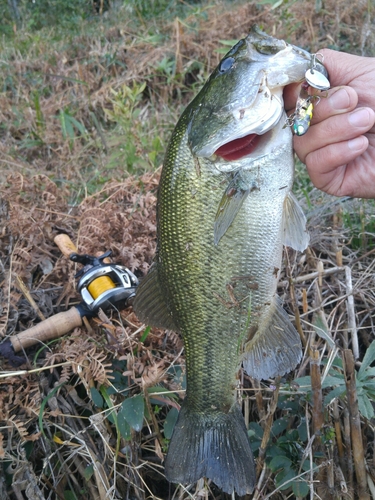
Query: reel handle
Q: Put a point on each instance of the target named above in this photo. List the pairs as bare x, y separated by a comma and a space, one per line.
67, 247
51, 328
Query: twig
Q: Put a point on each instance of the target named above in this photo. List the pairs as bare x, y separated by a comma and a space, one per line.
351, 312
35, 370
270, 495
317, 395
355, 425
312, 276
267, 427
259, 399
371, 485
348, 447
339, 443
297, 318
258, 488
29, 298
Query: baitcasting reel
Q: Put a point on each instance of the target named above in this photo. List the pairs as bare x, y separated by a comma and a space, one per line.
102, 284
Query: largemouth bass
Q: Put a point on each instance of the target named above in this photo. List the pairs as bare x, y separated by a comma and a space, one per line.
225, 209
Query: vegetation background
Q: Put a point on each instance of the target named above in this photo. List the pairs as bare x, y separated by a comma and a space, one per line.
89, 94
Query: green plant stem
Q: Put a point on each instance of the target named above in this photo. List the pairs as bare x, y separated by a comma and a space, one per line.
153, 418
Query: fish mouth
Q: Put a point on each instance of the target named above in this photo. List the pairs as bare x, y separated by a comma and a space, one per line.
247, 126
238, 148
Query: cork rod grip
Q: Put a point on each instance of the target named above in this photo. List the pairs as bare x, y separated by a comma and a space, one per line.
51, 328
65, 244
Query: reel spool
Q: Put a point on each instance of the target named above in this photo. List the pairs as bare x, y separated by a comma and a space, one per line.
102, 285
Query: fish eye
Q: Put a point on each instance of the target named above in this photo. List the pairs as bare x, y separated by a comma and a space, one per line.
226, 64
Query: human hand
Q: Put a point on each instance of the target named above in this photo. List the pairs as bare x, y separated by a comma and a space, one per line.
339, 147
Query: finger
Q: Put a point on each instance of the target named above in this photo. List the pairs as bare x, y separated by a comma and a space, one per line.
325, 161
334, 129
328, 171
336, 100
341, 66
339, 100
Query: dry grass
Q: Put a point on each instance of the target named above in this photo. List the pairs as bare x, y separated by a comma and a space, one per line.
62, 434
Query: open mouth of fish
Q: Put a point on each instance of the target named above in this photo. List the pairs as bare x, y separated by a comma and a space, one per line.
238, 148
249, 130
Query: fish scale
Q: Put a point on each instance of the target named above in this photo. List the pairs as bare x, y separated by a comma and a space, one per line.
221, 229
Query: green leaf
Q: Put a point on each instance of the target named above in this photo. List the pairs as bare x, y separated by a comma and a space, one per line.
279, 426
330, 381
255, 445
133, 410
145, 334
88, 472
156, 389
300, 488
96, 397
170, 422
277, 4
304, 383
302, 430
284, 479
368, 373
69, 495
228, 43
365, 406
63, 123
123, 426
78, 125
369, 358
307, 466
320, 328
255, 430
335, 393
273, 451
42, 406
280, 462
69, 130
111, 414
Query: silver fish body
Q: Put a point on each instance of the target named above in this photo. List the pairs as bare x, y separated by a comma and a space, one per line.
225, 209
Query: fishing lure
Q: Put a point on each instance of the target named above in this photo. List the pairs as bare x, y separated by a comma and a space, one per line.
304, 111
316, 77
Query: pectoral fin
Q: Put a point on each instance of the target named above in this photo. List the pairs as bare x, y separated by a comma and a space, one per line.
275, 349
294, 225
149, 303
231, 202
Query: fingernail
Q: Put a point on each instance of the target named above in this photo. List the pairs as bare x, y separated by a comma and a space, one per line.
356, 144
340, 100
359, 118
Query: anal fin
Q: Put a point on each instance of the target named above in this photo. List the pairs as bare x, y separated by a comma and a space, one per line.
149, 303
294, 225
275, 349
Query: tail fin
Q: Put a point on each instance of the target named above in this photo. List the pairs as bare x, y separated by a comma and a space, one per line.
214, 446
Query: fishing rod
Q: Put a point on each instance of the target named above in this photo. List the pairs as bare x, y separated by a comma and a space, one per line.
101, 284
